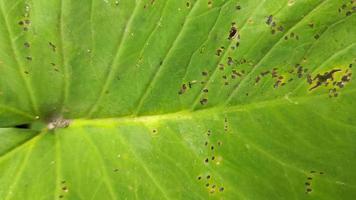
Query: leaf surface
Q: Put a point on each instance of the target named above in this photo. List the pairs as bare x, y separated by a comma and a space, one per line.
153, 99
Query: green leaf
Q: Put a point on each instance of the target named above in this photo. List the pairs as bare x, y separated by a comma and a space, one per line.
173, 99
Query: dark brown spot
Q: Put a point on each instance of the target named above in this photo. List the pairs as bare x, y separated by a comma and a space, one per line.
322, 79
182, 89
187, 4
219, 51
233, 32
203, 101
27, 45
269, 20
52, 46
258, 78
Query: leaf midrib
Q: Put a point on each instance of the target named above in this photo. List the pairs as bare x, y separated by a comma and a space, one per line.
188, 114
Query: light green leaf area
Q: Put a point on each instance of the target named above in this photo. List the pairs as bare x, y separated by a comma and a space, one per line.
177, 99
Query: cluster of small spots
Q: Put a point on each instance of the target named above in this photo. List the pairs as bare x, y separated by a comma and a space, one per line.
54, 67
299, 71
186, 86
233, 72
64, 189
242, 61
204, 99
308, 183
28, 58
348, 9
210, 184
211, 148
190, 84
208, 133
274, 25
25, 24
279, 80
334, 79
226, 125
